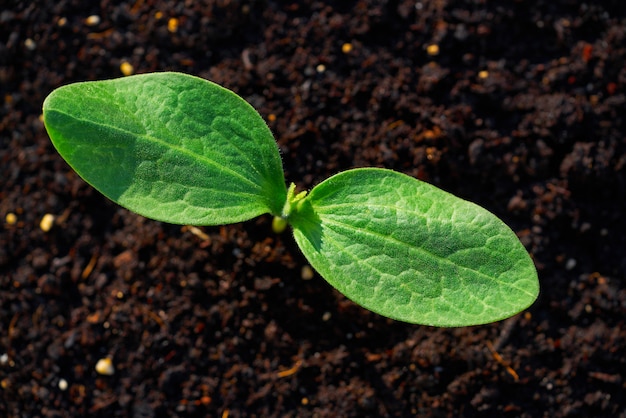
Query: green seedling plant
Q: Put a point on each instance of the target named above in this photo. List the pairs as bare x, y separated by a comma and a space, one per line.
180, 149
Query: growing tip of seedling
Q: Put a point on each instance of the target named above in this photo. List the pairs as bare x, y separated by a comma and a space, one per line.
292, 202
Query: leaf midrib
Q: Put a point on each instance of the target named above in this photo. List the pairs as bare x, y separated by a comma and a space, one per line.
184, 151
441, 298
326, 220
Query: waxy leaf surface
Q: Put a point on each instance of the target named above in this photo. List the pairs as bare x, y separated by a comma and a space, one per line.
169, 146
410, 251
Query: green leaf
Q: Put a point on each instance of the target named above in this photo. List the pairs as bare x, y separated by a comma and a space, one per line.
412, 252
169, 146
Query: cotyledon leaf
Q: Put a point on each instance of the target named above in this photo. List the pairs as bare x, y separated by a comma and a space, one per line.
169, 146
412, 252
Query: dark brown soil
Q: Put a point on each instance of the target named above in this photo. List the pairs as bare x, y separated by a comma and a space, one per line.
521, 110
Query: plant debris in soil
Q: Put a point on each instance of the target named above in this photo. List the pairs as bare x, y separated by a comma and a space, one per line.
518, 106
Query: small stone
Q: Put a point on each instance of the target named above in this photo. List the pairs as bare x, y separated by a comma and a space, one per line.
307, 272
30, 44
92, 20
570, 264
46, 222
432, 49
483, 74
172, 25
11, 218
63, 384
126, 68
104, 366
346, 48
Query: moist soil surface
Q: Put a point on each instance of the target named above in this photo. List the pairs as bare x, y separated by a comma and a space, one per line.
516, 105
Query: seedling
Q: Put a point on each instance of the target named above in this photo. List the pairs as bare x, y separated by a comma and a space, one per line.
180, 149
